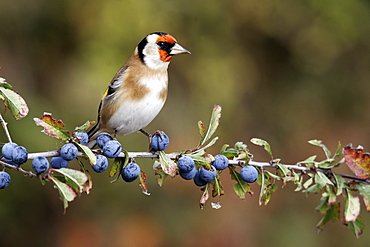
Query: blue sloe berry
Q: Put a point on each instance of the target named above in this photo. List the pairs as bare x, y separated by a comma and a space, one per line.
130, 172
207, 175
101, 164
19, 155
4, 179
7, 150
220, 162
83, 137
40, 164
185, 164
68, 151
112, 149
103, 138
249, 174
188, 175
58, 162
159, 141
198, 180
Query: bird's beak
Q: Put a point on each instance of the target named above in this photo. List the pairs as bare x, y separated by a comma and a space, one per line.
178, 49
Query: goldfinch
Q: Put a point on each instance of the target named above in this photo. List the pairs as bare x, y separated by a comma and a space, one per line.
138, 91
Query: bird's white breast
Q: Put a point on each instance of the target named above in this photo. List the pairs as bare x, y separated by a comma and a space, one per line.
133, 115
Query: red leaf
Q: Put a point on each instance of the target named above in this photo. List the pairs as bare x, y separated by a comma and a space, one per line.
52, 127
142, 184
357, 161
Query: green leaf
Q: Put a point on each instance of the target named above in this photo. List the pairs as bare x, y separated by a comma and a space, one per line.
266, 187
310, 161
364, 190
202, 161
13, 101
4, 84
357, 226
168, 166
52, 127
322, 180
118, 164
241, 187
339, 180
202, 131
313, 189
338, 152
217, 187
307, 183
75, 179
298, 179
215, 120
159, 171
323, 204
263, 143
66, 192
331, 213
201, 151
85, 126
320, 144
329, 192
352, 208
286, 173
87, 153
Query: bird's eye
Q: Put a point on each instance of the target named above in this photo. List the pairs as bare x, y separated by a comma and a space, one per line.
164, 45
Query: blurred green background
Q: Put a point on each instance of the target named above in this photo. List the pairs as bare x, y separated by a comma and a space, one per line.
285, 71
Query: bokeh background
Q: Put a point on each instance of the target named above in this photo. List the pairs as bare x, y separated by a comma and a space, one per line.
285, 71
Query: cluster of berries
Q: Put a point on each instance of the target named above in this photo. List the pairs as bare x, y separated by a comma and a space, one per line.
202, 176
14, 155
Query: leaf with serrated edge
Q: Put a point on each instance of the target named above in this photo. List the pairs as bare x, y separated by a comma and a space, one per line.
52, 127
87, 153
352, 208
263, 143
357, 161
168, 165
14, 102
364, 190
215, 120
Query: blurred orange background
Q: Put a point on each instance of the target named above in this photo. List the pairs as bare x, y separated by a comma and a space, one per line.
284, 71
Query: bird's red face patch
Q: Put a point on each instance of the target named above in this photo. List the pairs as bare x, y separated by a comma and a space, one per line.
164, 54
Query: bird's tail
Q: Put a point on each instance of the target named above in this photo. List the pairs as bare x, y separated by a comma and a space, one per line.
92, 135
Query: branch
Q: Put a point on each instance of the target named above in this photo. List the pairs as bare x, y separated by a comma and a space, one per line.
296, 167
4, 124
